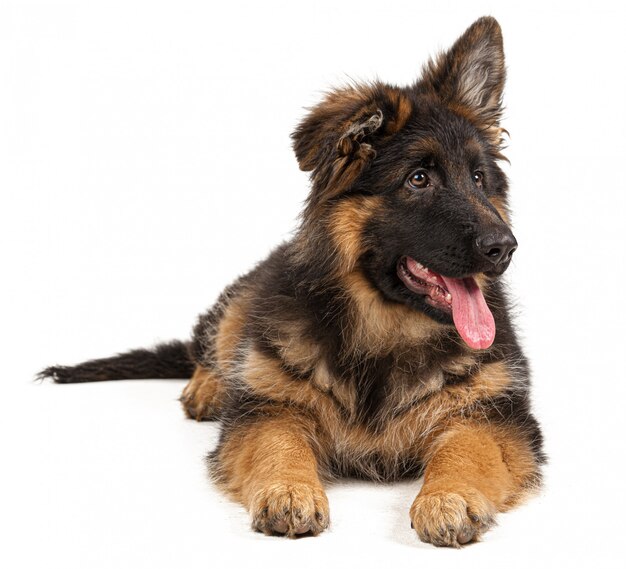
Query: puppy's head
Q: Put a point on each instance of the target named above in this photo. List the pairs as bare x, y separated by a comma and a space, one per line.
406, 182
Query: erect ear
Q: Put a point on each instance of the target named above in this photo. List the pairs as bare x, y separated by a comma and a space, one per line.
471, 75
337, 139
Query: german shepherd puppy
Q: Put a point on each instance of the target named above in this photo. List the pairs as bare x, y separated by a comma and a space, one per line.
377, 342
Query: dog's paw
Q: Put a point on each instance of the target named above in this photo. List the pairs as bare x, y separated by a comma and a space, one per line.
290, 509
451, 519
201, 397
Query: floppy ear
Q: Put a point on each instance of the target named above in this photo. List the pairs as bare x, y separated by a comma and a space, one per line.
336, 140
341, 121
470, 76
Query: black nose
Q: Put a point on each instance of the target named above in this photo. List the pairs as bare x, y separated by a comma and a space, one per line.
497, 246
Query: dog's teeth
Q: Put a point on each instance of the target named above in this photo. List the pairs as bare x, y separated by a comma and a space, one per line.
449, 297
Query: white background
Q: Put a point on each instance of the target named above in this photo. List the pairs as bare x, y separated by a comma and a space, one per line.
145, 162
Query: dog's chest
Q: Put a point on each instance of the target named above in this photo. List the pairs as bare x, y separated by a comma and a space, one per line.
386, 414
375, 392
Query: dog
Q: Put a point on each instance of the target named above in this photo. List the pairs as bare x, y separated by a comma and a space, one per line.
377, 342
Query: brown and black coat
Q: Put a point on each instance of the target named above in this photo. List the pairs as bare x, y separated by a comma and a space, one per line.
319, 365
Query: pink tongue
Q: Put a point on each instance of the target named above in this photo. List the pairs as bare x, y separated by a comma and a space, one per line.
470, 312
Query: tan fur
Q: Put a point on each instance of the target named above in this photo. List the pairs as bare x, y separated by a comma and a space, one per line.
382, 325
295, 346
230, 330
346, 224
409, 431
270, 467
403, 108
265, 377
202, 396
492, 130
475, 471
502, 208
346, 169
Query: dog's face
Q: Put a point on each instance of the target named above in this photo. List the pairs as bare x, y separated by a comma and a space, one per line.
439, 182
426, 156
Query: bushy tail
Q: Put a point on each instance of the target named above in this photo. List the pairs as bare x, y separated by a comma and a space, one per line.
165, 361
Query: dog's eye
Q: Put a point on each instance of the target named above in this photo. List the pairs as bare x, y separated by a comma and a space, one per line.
478, 178
419, 180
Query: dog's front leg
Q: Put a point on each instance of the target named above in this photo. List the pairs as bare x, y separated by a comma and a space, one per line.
268, 464
475, 471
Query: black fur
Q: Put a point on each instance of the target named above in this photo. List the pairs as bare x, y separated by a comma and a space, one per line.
165, 361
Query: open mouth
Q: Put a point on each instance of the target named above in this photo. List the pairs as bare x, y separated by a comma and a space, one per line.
420, 280
460, 297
